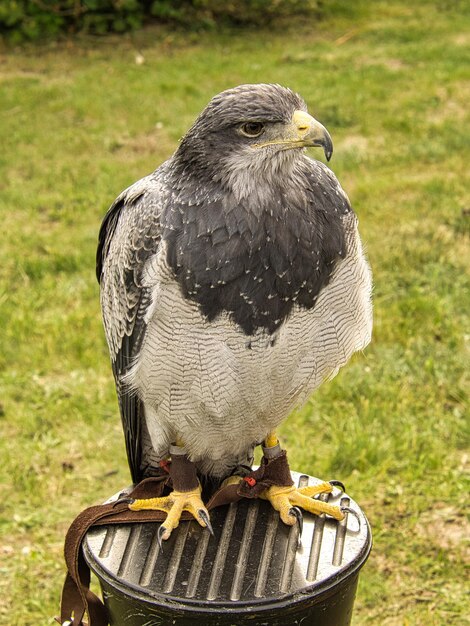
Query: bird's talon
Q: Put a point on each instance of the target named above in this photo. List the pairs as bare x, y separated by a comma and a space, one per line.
348, 509
297, 513
162, 535
204, 517
339, 484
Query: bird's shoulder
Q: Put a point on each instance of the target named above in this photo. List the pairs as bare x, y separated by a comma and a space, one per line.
130, 235
131, 227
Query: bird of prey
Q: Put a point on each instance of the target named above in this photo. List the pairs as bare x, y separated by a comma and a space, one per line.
233, 282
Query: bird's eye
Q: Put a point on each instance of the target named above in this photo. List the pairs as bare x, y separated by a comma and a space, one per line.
252, 129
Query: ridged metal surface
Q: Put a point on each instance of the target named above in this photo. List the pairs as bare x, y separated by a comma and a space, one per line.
252, 556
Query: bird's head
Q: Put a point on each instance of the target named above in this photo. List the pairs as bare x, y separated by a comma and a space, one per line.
257, 128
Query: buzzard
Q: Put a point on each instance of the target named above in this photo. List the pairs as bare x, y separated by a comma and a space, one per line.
233, 282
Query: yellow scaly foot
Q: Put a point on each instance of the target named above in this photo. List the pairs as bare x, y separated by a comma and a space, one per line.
285, 499
174, 504
289, 499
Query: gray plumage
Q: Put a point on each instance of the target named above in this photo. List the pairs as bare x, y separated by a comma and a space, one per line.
233, 282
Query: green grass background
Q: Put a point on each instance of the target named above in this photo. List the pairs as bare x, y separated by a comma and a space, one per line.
82, 120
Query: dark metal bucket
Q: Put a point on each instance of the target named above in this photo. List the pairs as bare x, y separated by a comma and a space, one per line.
255, 571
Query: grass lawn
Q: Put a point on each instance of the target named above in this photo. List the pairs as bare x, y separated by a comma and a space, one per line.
81, 121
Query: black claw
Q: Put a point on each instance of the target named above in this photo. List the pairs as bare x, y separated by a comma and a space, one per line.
125, 501
338, 483
205, 518
347, 509
297, 513
160, 532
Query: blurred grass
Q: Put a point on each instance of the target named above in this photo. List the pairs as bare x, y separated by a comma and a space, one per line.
83, 120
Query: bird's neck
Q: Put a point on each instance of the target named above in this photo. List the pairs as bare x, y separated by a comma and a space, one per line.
257, 179
246, 177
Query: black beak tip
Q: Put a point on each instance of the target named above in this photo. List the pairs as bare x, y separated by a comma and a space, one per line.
328, 149
327, 145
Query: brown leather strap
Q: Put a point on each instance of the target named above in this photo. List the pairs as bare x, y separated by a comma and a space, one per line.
76, 595
77, 599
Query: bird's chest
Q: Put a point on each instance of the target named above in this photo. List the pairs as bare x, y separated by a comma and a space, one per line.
254, 264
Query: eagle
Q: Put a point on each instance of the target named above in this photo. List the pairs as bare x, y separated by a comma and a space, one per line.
233, 282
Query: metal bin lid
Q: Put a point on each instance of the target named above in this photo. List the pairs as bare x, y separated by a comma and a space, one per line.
253, 560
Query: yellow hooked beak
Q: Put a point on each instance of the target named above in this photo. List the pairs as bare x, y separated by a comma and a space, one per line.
313, 133
304, 131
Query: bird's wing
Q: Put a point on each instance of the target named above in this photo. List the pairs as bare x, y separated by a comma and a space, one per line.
129, 236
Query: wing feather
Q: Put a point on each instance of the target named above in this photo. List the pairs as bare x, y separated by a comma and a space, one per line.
129, 236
